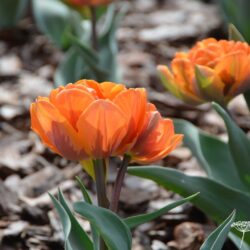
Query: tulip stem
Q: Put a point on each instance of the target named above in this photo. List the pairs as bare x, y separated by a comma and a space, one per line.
118, 183
100, 169
94, 30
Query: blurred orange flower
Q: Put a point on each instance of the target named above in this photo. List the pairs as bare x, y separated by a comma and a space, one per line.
87, 120
211, 71
88, 2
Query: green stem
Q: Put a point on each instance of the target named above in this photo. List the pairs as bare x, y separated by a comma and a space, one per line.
94, 30
100, 169
118, 183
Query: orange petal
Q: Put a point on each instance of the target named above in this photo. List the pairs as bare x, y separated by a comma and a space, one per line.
133, 103
58, 130
209, 84
110, 90
233, 69
91, 84
72, 102
36, 127
184, 76
156, 141
102, 126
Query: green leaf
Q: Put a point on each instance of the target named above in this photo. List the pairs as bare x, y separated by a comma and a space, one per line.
112, 229
11, 12
215, 199
85, 193
87, 199
234, 34
56, 20
137, 220
216, 239
237, 241
239, 145
108, 44
72, 68
218, 163
237, 13
66, 224
75, 237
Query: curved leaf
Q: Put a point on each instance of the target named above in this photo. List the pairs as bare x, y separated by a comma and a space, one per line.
239, 145
218, 163
137, 220
55, 20
215, 199
87, 199
112, 229
75, 237
216, 239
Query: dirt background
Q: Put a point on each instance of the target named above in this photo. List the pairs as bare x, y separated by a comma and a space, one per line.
151, 33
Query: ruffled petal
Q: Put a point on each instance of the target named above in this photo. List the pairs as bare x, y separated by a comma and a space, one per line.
102, 127
209, 84
133, 103
156, 141
57, 130
110, 90
233, 70
72, 102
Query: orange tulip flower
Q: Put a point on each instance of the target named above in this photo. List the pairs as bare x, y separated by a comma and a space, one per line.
87, 120
87, 2
211, 71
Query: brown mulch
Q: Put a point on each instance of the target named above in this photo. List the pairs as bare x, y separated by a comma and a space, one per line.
151, 33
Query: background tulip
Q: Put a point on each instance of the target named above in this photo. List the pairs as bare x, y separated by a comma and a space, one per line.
211, 71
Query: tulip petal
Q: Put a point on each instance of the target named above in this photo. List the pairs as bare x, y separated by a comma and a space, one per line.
168, 80
233, 69
209, 84
58, 130
72, 102
102, 126
156, 141
110, 90
133, 103
36, 127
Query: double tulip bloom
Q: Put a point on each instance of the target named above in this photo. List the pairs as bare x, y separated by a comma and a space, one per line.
81, 3
87, 120
211, 71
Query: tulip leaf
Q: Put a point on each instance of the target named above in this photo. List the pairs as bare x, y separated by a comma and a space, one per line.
217, 163
75, 237
112, 229
216, 239
239, 145
11, 12
137, 220
87, 199
72, 68
215, 199
237, 13
234, 34
108, 43
88, 166
237, 240
55, 19
85, 193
